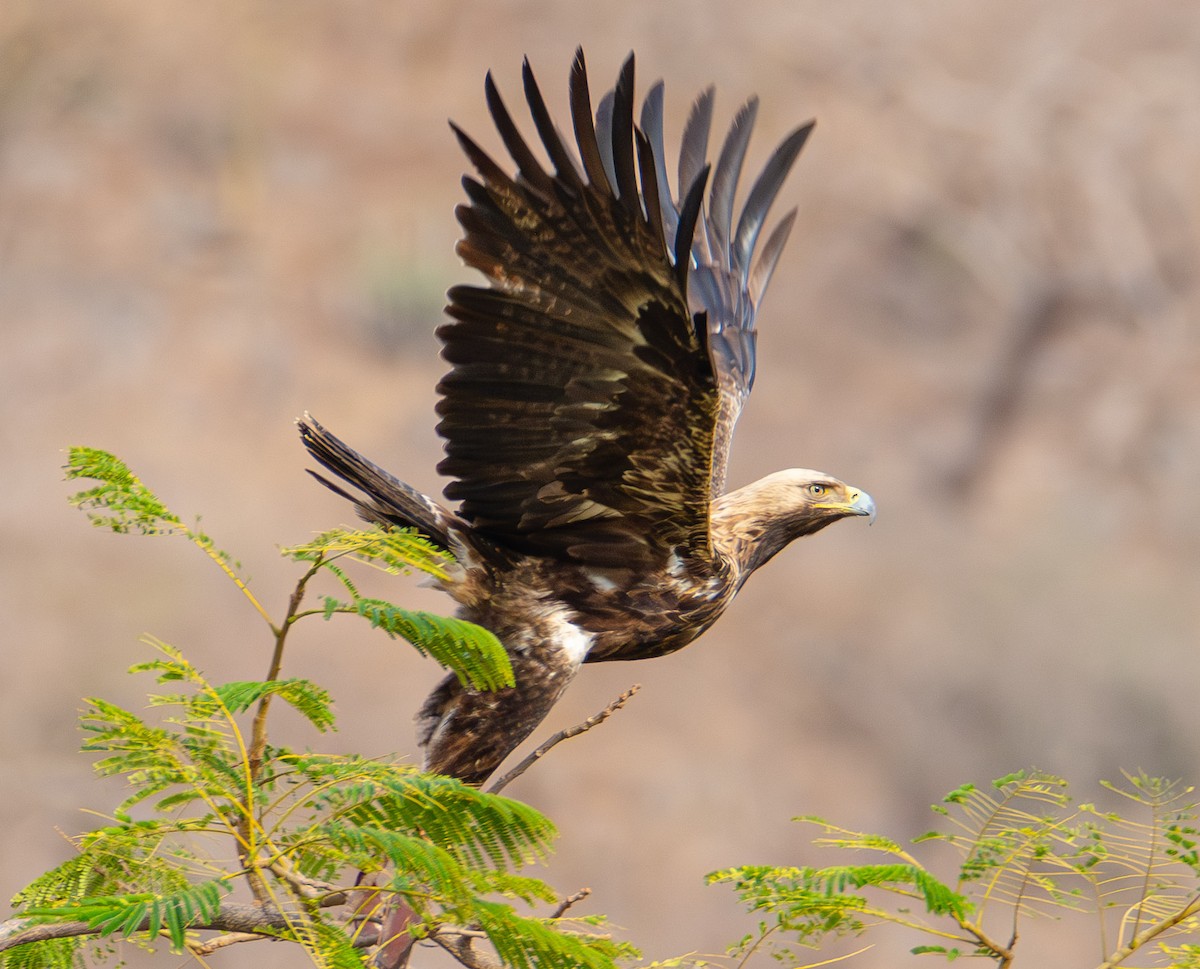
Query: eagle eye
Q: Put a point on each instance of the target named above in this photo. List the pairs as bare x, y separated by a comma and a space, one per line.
817, 490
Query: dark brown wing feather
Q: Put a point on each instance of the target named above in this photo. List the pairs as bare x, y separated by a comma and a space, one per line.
580, 412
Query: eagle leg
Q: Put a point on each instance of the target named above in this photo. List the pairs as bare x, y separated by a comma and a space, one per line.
467, 733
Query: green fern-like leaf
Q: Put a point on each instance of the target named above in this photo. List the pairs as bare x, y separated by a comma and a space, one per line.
395, 550
305, 697
152, 855
119, 501
142, 912
797, 909
1186, 956
937, 897
48, 954
529, 943
418, 862
1143, 867
1023, 846
471, 651
157, 759
493, 881
328, 946
477, 828
1008, 837
76, 877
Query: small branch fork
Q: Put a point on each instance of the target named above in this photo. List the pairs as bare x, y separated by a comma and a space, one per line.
558, 738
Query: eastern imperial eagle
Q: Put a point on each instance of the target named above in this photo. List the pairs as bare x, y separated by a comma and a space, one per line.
593, 389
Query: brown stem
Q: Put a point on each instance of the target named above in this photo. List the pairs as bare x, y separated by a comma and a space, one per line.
1149, 933
1004, 953
231, 917
570, 900
325, 894
258, 741
221, 941
258, 734
462, 947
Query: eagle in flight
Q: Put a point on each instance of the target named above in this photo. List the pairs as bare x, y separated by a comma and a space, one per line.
593, 388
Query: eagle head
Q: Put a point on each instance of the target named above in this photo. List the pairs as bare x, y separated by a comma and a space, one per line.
752, 523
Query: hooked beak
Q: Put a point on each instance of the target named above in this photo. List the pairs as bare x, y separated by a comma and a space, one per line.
861, 503
857, 502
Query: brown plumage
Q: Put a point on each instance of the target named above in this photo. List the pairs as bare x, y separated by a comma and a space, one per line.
593, 389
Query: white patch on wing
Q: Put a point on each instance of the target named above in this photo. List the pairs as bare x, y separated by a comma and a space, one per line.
600, 582
573, 641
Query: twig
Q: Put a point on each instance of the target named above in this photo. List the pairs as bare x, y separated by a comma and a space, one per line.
462, 947
221, 941
258, 739
457, 930
1150, 932
309, 888
562, 735
570, 900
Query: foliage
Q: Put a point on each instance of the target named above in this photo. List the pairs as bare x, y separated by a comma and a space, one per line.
1023, 851
223, 832
225, 837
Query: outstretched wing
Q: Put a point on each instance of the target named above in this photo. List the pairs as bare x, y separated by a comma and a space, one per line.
591, 395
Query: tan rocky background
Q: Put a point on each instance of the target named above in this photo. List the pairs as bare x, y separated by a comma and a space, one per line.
214, 216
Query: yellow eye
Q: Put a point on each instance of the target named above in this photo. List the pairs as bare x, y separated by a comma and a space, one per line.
817, 490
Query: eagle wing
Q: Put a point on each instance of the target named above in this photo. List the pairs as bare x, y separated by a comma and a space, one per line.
595, 382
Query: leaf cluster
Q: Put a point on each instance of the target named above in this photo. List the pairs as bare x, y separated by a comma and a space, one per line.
1024, 850
295, 831
472, 652
223, 832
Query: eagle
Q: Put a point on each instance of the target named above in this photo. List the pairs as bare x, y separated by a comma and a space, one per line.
593, 387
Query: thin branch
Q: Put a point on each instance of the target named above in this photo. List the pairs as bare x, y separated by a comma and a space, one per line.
1002, 952
221, 941
462, 947
205, 544
1149, 933
757, 942
570, 900
327, 894
258, 736
447, 931
842, 958
258, 741
239, 917
562, 735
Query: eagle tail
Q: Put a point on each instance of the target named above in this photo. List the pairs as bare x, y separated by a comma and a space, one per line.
388, 501
467, 733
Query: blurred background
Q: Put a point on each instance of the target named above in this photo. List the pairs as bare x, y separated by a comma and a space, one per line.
215, 216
